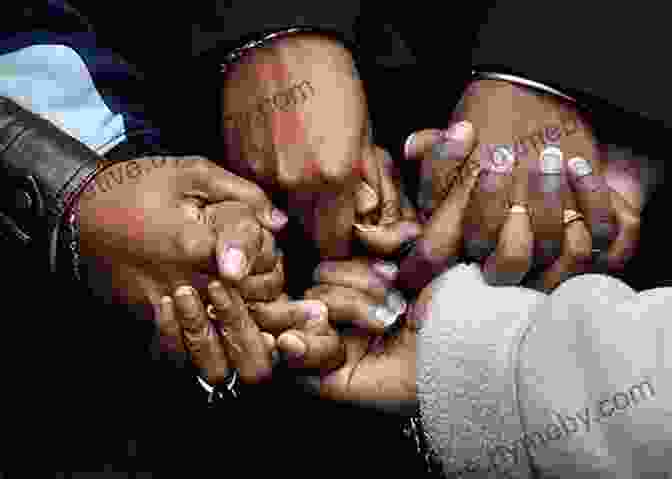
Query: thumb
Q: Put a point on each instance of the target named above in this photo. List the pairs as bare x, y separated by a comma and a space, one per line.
221, 185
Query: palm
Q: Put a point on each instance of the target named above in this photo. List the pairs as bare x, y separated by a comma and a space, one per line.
377, 370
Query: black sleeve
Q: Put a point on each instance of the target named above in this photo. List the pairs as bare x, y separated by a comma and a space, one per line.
599, 53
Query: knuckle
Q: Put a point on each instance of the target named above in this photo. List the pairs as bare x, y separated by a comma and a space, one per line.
631, 222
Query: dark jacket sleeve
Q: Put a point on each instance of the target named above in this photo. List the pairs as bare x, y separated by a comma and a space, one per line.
64, 103
603, 54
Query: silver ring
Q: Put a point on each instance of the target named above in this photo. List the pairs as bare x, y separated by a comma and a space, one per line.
503, 159
229, 386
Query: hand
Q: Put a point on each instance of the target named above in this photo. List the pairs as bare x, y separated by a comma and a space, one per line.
295, 121
386, 217
379, 370
561, 251
240, 335
152, 224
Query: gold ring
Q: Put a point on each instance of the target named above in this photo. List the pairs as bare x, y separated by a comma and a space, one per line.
211, 311
569, 216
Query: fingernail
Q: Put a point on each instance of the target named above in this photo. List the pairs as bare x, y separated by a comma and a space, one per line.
395, 302
580, 167
409, 230
386, 269
315, 310
383, 316
294, 346
459, 131
184, 290
551, 160
232, 262
278, 218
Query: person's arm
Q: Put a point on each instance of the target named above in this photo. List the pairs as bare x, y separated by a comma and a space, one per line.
57, 120
589, 49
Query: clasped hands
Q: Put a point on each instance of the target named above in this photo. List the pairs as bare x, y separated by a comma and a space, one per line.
177, 217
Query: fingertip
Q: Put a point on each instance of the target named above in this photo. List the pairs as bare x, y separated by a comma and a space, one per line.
277, 219
269, 341
292, 344
232, 263
419, 141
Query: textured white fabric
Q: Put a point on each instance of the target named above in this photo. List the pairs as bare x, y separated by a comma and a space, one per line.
593, 340
466, 352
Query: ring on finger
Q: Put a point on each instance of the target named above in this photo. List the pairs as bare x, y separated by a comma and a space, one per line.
211, 311
518, 208
569, 216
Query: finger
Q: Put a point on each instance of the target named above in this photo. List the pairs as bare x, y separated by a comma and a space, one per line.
547, 195
350, 306
200, 337
440, 243
363, 274
512, 257
575, 258
234, 220
268, 256
170, 332
386, 240
269, 340
278, 316
390, 209
442, 156
576, 255
312, 350
239, 246
263, 287
420, 142
367, 197
626, 243
243, 342
222, 185
387, 236
593, 198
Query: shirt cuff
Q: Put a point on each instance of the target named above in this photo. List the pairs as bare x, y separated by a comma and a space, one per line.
478, 75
